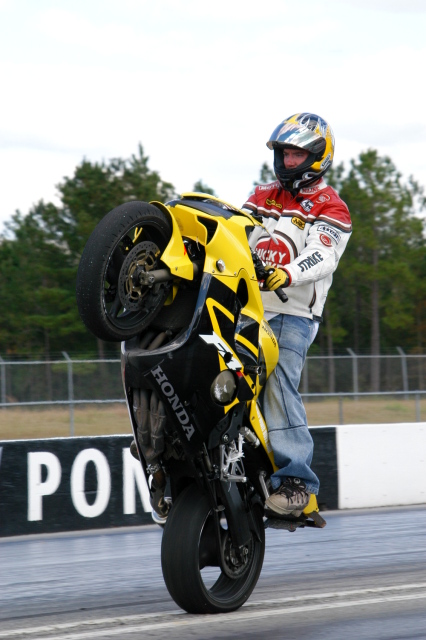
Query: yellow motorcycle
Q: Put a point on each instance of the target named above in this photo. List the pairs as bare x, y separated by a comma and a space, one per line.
178, 285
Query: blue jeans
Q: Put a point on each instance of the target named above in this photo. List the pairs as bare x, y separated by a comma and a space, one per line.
282, 404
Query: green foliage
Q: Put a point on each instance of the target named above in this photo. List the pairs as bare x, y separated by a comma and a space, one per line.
378, 297
39, 288
40, 261
200, 187
94, 190
266, 175
380, 282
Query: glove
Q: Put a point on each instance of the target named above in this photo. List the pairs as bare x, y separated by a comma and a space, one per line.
277, 278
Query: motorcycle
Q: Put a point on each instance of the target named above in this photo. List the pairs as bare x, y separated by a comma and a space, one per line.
178, 285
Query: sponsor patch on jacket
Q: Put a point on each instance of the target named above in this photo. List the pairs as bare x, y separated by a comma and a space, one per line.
273, 203
310, 261
311, 189
298, 222
307, 205
325, 240
324, 197
329, 231
276, 257
268, 187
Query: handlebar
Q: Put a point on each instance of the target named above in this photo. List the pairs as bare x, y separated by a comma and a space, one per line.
280, 291
263, 272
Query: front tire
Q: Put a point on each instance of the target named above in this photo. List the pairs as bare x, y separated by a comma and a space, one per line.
129, 239
189, 545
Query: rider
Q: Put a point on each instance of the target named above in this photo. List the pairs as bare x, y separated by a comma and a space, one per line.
308, 229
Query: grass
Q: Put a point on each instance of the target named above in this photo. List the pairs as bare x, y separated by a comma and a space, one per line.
18, 424
364, 411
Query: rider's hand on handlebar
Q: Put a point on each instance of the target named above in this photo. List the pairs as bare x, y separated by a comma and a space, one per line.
276, 278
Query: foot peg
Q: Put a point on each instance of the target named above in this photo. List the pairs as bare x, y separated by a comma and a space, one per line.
317, 518
291, 523
281, 523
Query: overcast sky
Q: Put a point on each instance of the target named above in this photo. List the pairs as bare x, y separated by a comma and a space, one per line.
201, 85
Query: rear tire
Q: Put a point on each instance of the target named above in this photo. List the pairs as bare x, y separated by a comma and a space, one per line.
189, 545
112, 305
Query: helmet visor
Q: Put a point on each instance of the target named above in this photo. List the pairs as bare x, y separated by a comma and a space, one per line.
293, 134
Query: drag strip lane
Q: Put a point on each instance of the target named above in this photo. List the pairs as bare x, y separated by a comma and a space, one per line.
365, 568
136, 624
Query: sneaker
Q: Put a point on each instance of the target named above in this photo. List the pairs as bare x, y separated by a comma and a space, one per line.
290, 497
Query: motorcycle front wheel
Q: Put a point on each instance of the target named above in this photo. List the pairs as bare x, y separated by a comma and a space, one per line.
190, 560
129, 240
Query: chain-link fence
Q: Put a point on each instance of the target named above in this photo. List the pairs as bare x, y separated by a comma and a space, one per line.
65, 382
336, 389
364, 374
52, 381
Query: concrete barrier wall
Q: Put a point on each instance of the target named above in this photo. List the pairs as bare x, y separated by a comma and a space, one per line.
67, 484
381, 465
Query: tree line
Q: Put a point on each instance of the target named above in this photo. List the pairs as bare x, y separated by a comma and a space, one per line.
377, 301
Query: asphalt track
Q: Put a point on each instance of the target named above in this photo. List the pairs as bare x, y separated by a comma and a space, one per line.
363, 576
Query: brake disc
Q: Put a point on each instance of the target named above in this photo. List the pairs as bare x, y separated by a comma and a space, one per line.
142, 258
235, 565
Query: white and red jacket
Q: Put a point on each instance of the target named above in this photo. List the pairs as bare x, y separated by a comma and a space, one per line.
311, 231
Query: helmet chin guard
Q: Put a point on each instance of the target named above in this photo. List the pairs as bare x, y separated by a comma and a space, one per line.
308, 132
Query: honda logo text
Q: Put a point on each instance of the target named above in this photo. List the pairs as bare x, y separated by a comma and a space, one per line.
175, 403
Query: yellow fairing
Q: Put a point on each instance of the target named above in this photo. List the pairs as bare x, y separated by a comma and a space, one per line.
269, 345
258, 424
175, 255
229, 244
188, 224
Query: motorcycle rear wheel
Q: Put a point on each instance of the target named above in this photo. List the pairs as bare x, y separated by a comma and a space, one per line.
112, 303
189, 545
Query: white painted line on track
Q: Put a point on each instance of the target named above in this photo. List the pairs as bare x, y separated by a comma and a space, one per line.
183, 619
340, 594
95, 622
227, 617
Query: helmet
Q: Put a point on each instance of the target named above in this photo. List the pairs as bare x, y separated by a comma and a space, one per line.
305, 131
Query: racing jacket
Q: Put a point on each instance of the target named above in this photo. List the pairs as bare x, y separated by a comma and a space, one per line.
309, 234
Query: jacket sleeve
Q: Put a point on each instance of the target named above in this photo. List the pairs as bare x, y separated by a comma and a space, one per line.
320, 257
251, 203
